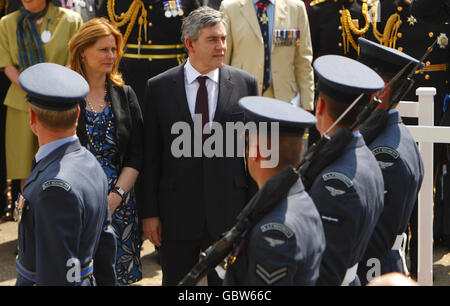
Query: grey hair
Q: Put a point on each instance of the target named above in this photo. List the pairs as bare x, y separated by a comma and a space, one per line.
198, 19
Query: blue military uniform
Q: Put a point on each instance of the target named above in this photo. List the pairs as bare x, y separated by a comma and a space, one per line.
348, 193
285, 247
401, 164
65, 236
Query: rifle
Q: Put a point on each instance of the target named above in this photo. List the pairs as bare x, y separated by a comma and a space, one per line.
270, 195
276, 188
377, 122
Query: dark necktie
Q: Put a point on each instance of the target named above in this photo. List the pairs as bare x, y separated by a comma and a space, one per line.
264, 25
201, 104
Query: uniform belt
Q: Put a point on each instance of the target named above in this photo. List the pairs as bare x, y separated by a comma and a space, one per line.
31, 276
435, 67
400, 242
154, 49
350, 275
400, 246
154, 56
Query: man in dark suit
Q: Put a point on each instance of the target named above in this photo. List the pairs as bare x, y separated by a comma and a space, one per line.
65, 237
191, 199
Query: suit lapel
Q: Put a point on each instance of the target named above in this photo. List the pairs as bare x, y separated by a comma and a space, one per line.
179, 91
249, 14
279, 17
46, 161
225, 91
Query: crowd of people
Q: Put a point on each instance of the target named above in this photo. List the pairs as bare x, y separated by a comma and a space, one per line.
93, 93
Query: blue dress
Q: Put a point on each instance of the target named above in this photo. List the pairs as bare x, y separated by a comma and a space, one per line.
101, 130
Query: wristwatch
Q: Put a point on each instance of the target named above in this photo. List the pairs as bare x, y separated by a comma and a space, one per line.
119, 190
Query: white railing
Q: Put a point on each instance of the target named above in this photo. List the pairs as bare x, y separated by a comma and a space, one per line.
425, 134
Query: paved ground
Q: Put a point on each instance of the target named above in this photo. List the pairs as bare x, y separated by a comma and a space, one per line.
152, 271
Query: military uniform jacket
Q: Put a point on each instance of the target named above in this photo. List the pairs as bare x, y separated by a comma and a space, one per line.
290, 64
65, 224
402, 167
326, 27
284, 248
349, 197
414, 37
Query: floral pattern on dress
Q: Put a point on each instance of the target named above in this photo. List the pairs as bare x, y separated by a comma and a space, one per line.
101, 134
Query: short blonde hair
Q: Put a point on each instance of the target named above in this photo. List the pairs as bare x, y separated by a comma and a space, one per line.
56, 120
88, 35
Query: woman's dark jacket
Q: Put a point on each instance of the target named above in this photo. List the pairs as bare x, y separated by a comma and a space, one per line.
128, 122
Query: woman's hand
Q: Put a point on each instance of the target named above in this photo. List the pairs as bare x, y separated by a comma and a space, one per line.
114, 201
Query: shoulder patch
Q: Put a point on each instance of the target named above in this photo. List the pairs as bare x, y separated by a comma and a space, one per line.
56, 183
386, 150
385, 156
286, 231
338, 176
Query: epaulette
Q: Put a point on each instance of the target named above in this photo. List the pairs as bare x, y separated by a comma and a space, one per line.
314, 2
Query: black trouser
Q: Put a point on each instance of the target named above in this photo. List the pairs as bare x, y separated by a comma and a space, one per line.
178, 258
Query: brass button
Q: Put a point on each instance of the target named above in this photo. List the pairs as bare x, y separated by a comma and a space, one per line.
149, 59
339, 27
399, 8
399, 35
340, 44
427, 76
400, 49
150, 7
428, 63
431, 34
150, 24
149, 42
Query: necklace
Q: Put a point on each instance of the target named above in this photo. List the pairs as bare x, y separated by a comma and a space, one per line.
108, 122
102, 106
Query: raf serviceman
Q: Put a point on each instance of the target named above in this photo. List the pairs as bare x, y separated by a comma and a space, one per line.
285, 247
348, 193
152, 37
403, 30
401, 164
65, 236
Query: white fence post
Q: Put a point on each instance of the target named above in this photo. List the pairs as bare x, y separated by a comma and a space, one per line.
425, 205
426, 134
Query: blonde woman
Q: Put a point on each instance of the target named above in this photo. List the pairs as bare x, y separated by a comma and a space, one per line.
110, 126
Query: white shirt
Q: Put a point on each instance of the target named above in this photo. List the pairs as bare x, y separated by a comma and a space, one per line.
191, 84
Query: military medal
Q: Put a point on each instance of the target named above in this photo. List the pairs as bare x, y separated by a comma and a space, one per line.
442, 40
18, 210
180, 8
173, 8
263, 19
167, 12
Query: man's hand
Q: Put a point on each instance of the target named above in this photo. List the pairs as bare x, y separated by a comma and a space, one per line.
152, 230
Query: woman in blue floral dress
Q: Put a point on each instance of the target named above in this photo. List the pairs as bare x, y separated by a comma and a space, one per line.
110, 126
